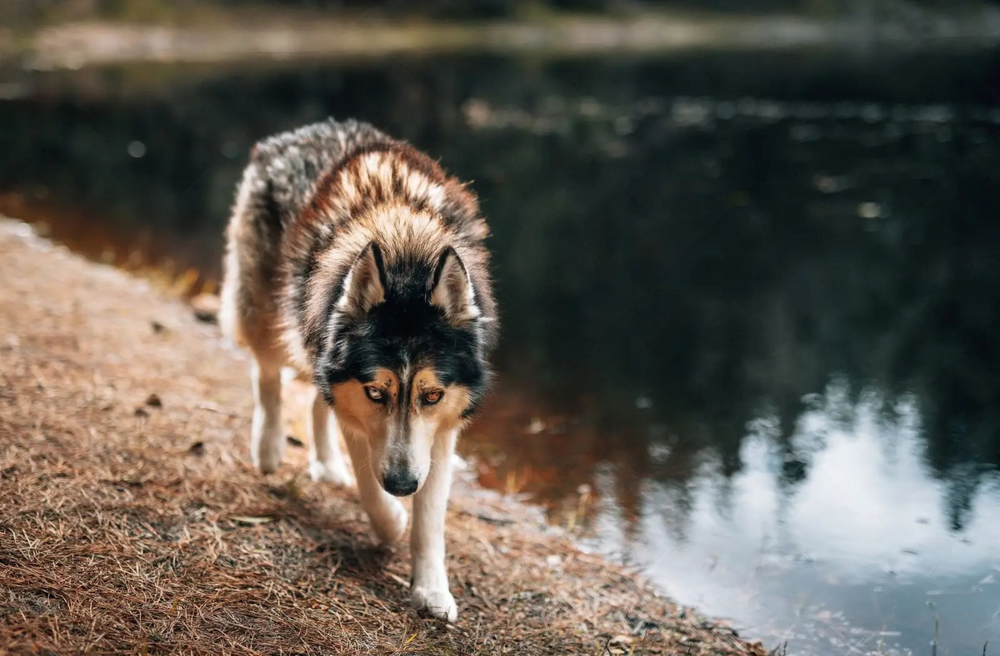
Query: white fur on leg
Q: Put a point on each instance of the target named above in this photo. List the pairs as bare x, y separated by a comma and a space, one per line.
267, 444
326, 462
392, 521
430, 577
330, 472
387, 515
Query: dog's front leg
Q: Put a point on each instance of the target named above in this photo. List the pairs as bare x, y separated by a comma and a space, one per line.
429, 589
326, 462
267, 442
387, 515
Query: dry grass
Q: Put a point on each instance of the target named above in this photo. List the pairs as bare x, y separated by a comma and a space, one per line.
133, 524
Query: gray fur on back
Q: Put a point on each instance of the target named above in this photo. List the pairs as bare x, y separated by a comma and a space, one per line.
292, 162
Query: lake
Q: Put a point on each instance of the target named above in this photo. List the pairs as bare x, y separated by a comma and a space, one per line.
749, 302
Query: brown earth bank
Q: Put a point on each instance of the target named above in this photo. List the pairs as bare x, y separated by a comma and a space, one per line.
86, 43
131, 521
223, 37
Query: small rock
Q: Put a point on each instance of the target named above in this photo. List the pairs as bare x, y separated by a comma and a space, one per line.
197, 449
536, 426
153, 401
141, 412
294, 441
157, 327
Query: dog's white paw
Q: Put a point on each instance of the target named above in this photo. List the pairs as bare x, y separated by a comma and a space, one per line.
330, 472
267, 461
391, 523
267, 453
437, 602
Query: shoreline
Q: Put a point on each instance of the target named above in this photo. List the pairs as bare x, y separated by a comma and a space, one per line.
235, 38
134, 522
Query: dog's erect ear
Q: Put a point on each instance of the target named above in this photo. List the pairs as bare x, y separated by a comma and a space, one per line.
451, 290
364, 286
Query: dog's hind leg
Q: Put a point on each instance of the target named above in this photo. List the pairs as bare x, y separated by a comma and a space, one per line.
430, 576
386, 514
326, 462
267, 443
249, 313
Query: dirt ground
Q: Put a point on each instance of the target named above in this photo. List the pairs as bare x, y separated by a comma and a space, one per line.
131, 521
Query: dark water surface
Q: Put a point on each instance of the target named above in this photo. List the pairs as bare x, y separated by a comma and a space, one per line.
750, 302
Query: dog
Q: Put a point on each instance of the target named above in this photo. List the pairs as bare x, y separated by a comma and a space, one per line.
354, 259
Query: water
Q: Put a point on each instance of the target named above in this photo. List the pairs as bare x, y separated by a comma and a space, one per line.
749, 303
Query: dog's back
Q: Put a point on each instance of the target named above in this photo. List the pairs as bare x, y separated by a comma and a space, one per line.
277, 185
291, 163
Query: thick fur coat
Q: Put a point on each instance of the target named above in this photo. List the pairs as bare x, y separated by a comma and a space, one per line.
356, 260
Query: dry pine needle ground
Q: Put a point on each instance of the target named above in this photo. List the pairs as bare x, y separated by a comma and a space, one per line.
132, 523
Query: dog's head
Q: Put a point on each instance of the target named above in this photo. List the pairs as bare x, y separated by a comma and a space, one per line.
404, 364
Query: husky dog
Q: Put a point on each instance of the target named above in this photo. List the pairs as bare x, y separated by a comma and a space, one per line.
355, 260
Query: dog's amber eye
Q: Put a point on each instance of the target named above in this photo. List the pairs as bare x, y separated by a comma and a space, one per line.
375, 394
432, 397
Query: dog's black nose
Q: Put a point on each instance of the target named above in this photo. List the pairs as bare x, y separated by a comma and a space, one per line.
400, 484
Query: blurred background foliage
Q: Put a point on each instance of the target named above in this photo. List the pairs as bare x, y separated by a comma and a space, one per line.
33, 12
